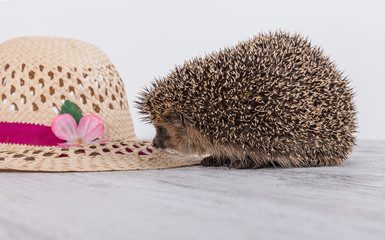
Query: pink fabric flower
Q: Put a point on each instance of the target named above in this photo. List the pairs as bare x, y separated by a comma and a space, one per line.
90, 128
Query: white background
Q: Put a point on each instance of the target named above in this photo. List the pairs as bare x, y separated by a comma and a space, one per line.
145, 39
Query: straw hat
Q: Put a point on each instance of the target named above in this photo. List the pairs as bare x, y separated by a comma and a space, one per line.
37, 76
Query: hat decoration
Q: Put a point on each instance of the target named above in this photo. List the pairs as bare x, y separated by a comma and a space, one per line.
75, 128
70, 128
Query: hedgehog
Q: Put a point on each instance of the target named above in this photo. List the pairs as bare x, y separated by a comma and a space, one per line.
274, 100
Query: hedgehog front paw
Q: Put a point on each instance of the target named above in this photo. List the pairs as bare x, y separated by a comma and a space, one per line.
238, 164
214, 161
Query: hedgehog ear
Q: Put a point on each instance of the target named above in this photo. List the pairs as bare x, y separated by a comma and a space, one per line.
177, 118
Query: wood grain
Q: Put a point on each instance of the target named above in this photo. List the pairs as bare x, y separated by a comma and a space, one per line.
345, 202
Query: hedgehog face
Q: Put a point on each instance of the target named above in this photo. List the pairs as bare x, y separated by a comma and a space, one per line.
174, 131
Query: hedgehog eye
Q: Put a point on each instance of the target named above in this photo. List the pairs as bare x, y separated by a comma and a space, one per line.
177, 118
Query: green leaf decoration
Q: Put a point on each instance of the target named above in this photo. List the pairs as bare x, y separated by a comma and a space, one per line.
71, 108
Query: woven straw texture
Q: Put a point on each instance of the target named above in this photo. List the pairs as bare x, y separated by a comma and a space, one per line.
37, 74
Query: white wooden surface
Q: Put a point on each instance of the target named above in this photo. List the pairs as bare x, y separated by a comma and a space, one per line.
346, 202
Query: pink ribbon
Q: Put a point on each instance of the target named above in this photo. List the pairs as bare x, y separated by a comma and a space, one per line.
28, 133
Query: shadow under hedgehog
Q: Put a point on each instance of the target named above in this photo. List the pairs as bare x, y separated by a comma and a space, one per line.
273, 100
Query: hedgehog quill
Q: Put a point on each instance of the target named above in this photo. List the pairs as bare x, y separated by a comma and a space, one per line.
273, 100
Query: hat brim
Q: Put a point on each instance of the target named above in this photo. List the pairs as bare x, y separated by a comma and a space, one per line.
105, 156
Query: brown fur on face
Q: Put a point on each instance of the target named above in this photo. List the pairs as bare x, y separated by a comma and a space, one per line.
174, 131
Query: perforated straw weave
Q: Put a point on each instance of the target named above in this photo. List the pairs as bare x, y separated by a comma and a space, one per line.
37, 74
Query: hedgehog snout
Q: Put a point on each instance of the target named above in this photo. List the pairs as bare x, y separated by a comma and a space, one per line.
158, 143
160, 137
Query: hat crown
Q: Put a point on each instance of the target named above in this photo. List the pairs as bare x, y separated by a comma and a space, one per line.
37, 74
